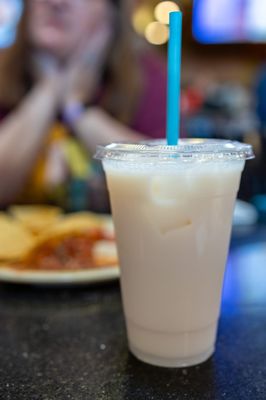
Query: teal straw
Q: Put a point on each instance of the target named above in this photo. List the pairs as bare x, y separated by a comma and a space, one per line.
174, 72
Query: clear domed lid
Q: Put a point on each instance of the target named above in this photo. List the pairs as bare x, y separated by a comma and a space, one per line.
186, 150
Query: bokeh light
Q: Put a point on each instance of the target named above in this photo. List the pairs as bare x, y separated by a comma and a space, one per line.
141, 17
163, 9
156, 33
10, 13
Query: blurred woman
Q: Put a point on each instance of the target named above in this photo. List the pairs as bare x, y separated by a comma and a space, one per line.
73, 79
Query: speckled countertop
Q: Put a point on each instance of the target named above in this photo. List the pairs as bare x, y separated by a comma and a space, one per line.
70, 343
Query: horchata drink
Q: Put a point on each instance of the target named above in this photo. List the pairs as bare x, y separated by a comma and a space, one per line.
172, 208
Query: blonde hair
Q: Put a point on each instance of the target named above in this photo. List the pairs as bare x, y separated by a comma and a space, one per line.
122, 70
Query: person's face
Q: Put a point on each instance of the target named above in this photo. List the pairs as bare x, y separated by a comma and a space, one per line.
58, 26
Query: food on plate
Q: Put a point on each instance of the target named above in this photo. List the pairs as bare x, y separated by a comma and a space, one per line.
70, 242
72, 223
15, 240
108, 228
76, 251
36, 218
104, 253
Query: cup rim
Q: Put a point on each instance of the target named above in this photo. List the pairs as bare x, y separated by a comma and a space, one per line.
186, 150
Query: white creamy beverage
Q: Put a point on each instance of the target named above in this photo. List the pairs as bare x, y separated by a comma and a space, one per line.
173, 224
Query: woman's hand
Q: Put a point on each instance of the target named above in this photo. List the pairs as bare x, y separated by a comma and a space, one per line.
84, 71
47, 73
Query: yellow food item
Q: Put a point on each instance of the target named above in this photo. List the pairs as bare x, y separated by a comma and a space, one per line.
74, 222
36, 218
15, 240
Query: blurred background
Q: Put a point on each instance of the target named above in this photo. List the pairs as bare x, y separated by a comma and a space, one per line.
223, 71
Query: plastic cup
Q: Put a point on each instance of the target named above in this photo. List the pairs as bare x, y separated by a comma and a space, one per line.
172, 208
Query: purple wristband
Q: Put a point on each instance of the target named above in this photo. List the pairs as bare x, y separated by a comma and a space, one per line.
72, 112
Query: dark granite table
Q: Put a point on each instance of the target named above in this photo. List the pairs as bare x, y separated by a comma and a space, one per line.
70, 343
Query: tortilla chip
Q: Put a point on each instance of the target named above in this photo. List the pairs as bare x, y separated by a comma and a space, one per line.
36, 218
15, 240
72, 224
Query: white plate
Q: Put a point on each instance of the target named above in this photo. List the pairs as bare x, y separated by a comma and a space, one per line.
12, 275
